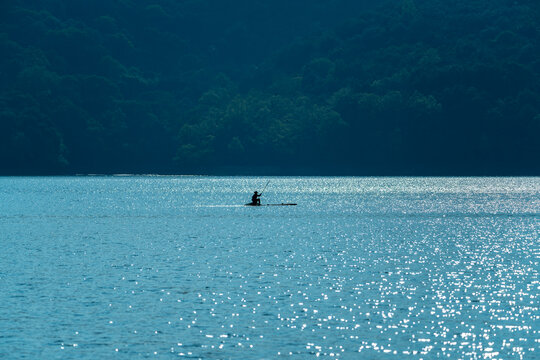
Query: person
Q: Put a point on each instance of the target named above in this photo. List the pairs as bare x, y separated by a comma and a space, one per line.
256, 199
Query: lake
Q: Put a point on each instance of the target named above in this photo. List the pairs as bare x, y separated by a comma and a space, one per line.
165, 267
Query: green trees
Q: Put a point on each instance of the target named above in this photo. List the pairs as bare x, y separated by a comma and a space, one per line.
408, 87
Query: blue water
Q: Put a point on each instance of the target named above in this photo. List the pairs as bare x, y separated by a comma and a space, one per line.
374, 268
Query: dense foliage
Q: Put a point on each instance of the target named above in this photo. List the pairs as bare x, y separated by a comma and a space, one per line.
298, 86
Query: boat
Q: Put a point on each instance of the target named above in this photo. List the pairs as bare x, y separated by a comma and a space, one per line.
282, 204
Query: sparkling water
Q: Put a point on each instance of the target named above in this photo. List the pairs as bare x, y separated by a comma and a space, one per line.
163, 267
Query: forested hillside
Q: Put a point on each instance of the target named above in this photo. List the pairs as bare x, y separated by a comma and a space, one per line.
388, 87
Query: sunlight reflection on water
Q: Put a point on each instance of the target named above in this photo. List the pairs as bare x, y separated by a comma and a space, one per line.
158, 266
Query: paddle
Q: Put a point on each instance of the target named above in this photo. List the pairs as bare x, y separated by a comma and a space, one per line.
268, 182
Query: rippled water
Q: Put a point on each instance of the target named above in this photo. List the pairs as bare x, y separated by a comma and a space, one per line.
137, 267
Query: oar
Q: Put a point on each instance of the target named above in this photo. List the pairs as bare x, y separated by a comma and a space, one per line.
268, 182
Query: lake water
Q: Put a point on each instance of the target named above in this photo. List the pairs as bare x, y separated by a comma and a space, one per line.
375, 268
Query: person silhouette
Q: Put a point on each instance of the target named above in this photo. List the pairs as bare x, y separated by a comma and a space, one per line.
256, 199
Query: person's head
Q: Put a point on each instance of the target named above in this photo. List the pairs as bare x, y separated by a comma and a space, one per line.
256, 192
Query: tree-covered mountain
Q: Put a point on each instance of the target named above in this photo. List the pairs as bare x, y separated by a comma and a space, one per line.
394, 87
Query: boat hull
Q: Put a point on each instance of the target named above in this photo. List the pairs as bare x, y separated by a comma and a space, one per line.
282, 204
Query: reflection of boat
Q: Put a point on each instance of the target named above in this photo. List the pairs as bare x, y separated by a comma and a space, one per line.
282, 204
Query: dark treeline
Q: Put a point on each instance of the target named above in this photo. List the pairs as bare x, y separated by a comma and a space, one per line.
389, 87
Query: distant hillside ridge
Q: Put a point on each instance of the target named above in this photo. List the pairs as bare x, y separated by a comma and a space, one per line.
393, 87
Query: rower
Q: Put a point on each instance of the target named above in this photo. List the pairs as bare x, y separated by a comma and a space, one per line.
256, 199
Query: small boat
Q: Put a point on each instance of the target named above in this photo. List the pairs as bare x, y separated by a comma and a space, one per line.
282, 204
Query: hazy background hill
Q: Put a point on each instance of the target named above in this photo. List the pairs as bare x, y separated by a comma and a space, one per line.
389, 87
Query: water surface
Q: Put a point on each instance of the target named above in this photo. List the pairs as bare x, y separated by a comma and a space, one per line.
162, 267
